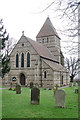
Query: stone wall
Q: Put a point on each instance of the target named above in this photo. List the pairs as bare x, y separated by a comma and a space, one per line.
53, 45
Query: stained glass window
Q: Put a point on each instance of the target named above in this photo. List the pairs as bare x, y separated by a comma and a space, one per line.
17, 60
28, 59
22, 60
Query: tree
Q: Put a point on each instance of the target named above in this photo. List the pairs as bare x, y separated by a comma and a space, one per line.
67, 11
4, 49
72, 66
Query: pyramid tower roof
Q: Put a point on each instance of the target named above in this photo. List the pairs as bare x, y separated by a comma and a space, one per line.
47, 29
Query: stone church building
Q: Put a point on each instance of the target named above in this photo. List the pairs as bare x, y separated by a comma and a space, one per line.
39, 61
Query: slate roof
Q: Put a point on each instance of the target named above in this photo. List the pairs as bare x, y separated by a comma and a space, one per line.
47, 29
46, 55
55, 66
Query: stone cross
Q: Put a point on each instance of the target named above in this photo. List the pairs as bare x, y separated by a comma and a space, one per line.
22, 32
60, 98
35, 96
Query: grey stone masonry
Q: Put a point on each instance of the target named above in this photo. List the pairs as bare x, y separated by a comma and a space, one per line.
35, 96
60, 98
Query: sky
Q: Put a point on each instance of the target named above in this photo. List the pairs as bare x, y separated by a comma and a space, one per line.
26, 15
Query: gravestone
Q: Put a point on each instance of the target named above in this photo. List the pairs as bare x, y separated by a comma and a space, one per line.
36, 85
70, 84
35, 96
76, 91
74, 83
60, 98
18, 88
50, 87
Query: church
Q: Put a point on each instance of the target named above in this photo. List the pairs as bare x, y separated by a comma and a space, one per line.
39, 61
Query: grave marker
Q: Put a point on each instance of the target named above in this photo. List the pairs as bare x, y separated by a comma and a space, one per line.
35, 96
60, 98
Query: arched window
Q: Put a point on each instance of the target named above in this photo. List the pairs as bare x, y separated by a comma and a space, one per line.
28, 59
45, 74
17, 60
22, 60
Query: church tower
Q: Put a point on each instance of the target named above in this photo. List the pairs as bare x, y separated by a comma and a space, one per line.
49, 38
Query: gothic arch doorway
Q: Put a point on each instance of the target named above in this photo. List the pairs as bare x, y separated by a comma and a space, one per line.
22, 79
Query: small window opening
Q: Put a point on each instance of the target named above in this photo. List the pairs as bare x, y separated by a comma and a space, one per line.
45, 74
43, 41
47, 40
22, 44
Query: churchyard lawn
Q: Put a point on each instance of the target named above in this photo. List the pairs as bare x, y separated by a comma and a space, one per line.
19, 105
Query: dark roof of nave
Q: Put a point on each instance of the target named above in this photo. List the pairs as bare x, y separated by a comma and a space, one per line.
55, 66
46, 55
47, 29
41, 50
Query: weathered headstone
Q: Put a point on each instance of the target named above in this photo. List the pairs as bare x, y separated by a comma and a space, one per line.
18, 88
76, 91
70, 84
36, 85
60, 98
50, 87
35, 96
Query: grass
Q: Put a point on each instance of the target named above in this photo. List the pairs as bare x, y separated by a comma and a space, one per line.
19, 105
0, 104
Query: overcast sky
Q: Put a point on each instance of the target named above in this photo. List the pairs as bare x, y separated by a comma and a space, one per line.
24, 15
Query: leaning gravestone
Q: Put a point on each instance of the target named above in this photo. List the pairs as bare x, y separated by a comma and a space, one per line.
18, 88
60, 98
35, 96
